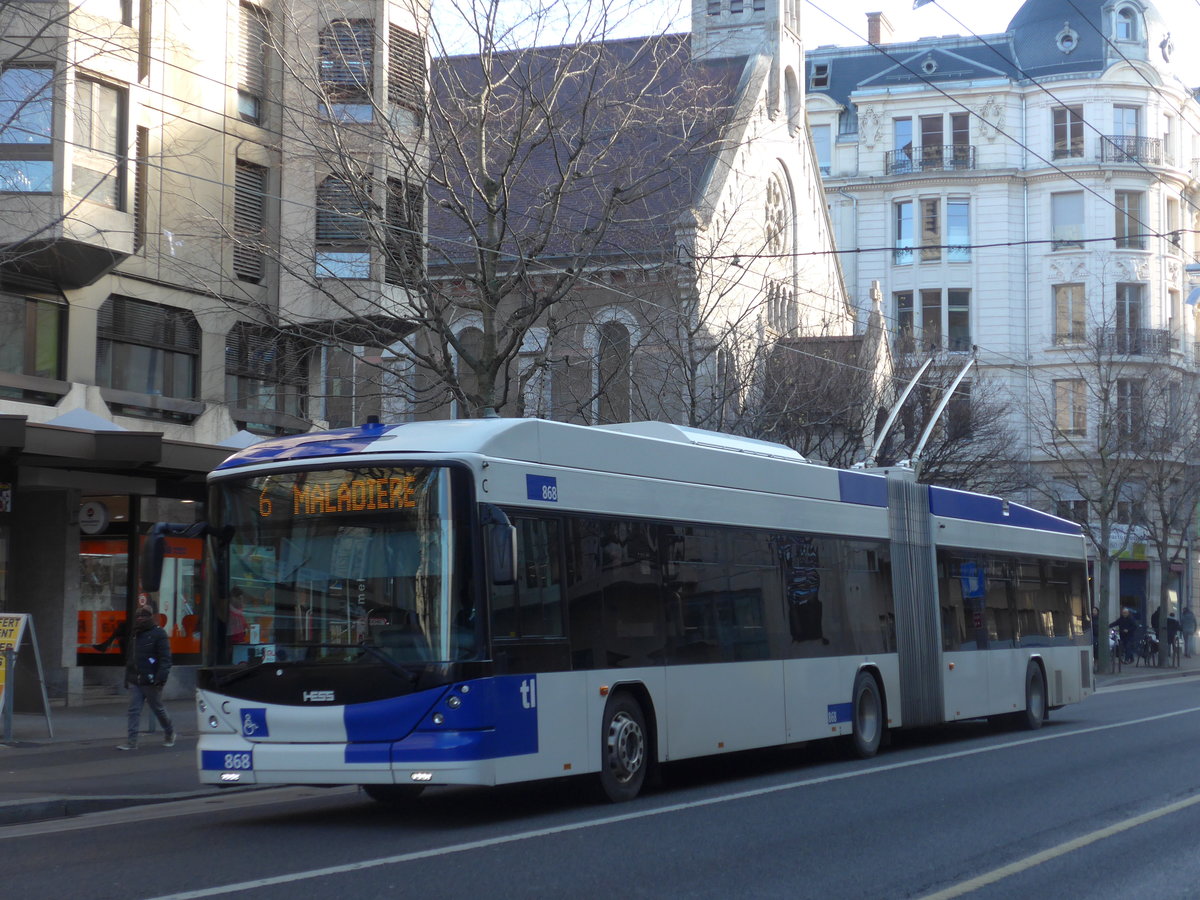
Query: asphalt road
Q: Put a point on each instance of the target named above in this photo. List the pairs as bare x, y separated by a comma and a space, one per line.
1102, 802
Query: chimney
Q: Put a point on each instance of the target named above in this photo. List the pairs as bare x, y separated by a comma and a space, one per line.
879, 29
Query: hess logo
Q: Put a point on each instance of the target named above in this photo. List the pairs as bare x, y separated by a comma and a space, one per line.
318, 696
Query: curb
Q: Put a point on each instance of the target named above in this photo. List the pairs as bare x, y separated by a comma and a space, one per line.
24, 812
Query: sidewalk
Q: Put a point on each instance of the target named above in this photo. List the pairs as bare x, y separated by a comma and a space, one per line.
80, 770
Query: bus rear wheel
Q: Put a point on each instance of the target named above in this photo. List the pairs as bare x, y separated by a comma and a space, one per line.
623, 749
1035, 698
393, 794
868, 723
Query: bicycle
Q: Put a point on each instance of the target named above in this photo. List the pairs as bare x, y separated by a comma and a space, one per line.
1176, 651
1115, 651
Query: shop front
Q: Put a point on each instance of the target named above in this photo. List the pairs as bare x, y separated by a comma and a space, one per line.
78, 510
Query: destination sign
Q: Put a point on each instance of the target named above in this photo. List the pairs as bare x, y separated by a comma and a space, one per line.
353, 492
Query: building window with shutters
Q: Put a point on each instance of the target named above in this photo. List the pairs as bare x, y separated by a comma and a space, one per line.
253, 41
266, 372
141, 186
249, 218
403, 256
342, 234
147, 348
347, 53
406, 70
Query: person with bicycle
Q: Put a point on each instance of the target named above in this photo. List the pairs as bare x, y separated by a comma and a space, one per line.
1127, 628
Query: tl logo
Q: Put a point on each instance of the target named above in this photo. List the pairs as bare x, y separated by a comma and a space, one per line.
529, 694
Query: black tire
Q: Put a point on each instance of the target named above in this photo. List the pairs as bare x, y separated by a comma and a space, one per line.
393, 794
624, 750
1035, 698
868, 722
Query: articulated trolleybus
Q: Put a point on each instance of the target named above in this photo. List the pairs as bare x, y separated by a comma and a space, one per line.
492, 601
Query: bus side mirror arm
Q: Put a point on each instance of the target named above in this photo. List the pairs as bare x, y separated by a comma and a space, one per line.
500, 544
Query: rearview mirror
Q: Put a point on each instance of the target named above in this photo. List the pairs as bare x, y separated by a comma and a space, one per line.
500, 544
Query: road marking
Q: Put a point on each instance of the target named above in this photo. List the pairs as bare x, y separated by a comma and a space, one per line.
399, 858
1021, 865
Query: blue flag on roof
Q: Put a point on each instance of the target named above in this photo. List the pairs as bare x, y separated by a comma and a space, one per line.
1194, 297
920, 3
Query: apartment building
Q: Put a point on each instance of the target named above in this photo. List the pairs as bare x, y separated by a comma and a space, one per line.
1031, 198
202, 207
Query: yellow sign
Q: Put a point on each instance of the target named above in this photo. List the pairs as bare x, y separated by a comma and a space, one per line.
12, 629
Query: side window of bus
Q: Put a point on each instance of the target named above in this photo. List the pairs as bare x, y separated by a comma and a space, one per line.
532, 607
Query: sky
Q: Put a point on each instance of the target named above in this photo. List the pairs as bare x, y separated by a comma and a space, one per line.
834, 21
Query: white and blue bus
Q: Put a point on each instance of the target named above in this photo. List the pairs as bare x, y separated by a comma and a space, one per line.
501, 600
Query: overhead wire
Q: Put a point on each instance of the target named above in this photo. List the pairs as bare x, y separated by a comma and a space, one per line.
608, 287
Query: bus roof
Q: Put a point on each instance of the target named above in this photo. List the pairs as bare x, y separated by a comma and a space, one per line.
650, 449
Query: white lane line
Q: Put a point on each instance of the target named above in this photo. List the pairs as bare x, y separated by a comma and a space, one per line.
1021, 865
326, 871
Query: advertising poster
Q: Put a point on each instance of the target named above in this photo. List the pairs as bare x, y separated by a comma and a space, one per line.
12, 630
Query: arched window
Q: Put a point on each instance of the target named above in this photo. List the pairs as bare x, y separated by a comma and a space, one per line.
342, 249
613, 353
791, 86
1127, 24
471, 341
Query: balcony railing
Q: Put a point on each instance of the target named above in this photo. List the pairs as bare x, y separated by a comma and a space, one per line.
1124, 149
930, 159
1136, 341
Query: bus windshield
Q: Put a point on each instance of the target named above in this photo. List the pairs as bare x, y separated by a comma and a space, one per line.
339, 565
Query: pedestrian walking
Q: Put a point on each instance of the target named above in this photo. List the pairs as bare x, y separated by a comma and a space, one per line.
1188, 623
146, 671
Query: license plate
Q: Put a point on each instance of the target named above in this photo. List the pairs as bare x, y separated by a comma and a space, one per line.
227, 760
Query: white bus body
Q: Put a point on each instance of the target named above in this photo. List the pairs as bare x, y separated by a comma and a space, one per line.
504, 727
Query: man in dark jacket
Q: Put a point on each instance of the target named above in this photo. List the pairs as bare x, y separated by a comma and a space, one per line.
146, 671
1126, 627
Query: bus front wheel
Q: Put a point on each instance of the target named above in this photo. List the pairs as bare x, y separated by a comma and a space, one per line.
623, 749
393, 794
868, 716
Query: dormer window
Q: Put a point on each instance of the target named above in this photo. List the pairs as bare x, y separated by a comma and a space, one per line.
1127, 24
818, 76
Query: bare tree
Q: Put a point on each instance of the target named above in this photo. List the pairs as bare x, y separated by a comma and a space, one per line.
1114, 438
532, 168
1165, 441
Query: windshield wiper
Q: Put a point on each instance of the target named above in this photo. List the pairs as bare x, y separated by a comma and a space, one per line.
389, 662
239, 674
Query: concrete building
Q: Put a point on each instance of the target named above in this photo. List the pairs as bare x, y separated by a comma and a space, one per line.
167, 194
1030, 197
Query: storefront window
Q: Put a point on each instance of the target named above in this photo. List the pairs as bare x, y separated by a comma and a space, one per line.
108, 525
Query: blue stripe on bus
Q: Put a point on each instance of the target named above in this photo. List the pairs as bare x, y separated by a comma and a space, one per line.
304, 446
388, 720
858, 487
494, 717
979, 508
